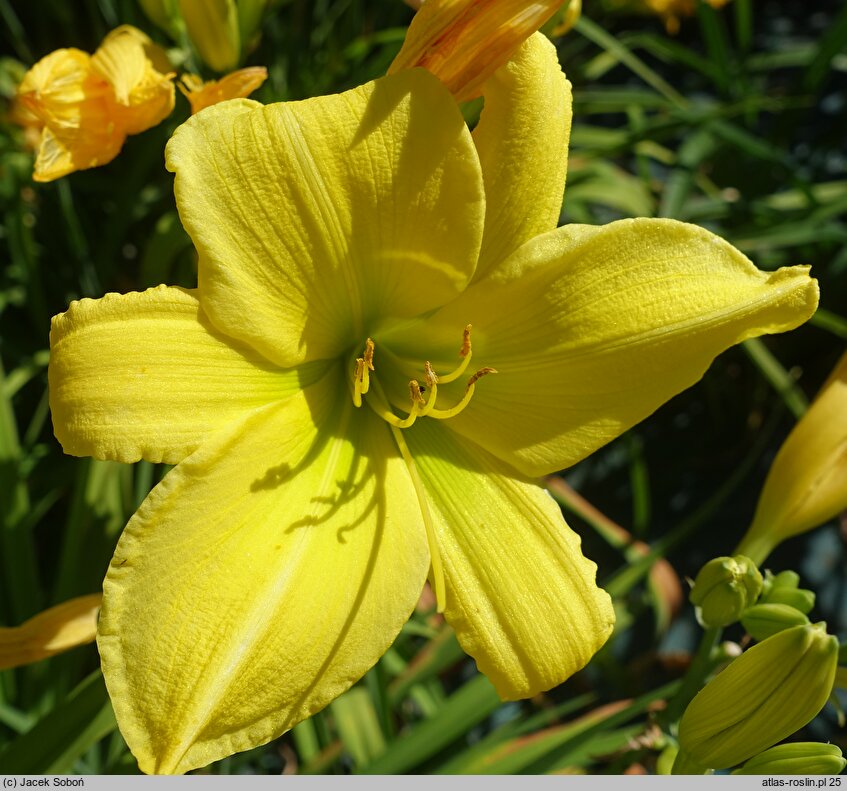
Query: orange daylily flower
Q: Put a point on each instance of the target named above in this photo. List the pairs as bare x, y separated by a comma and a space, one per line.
53, 631
463, 42
86, 105
237, 85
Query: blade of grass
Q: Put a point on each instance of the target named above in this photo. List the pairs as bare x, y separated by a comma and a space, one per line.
64, 734
608, 42
781, 381
464, 709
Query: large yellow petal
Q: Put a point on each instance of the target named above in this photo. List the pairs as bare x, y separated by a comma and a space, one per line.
259, 580
57, 629
463, 42
520, 595
315, 219
145, 375
522, 139
593, 328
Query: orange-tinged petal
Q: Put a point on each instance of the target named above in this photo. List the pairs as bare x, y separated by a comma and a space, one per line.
463, 42
237, 85
522, 140
73, 103
53, 631
139, 74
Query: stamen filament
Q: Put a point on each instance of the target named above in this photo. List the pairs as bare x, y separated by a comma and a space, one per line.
466, 352
379, 404
358, 378
445, 414
429, 527
432, 384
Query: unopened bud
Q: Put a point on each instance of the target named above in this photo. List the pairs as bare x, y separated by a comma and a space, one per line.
765, 620
802, 758
784, 589
724, 588
768, 693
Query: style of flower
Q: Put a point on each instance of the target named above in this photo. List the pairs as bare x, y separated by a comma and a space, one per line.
807, 482
390, 341
86, 105
237, 85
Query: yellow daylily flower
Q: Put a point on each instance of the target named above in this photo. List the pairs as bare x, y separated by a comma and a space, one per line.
237, 85
51, 632
807, 482
321, 396
86, 105
463, 42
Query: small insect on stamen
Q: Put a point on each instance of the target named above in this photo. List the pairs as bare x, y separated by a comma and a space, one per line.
415, 393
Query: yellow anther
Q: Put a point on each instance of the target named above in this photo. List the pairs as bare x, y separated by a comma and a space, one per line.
415, 393
361, 376
466, 352
431, 378
369, 353
479, 374
466, 341
444, 414
432, 384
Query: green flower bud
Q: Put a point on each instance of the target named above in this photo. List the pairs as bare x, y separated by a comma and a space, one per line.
800, 599
802, 758
213, 29
785, 579
724, 588
763, 620
768, 693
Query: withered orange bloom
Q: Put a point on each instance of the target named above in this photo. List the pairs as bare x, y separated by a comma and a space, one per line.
86, 105
463, 42
237, 85
65, 626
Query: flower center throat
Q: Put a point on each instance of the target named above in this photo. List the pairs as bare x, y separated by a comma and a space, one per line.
363, 384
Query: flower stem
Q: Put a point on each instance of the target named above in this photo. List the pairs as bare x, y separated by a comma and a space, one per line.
700, 667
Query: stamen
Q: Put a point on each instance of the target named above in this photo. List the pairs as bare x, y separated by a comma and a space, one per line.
361, 376
369, 365
444, 414
466, 352
358, 378
432, 384
415, 393
429, 527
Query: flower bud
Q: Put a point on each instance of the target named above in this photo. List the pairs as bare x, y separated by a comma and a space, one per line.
802, 758
213, 29
724, 588
807, 482
768, 693
798, 598
764, 620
